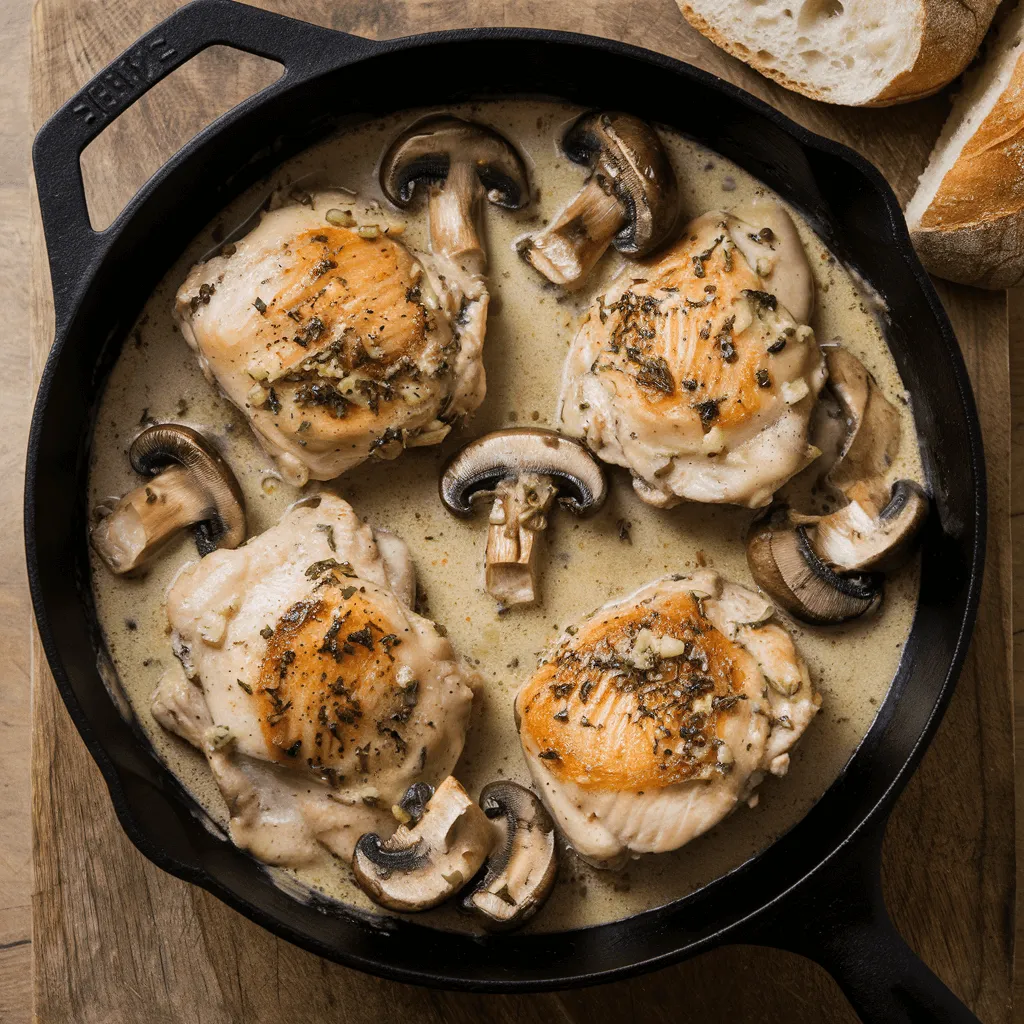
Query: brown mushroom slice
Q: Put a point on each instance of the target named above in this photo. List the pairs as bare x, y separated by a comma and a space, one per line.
857, 538
824, 569
522, 470
630, 199
873, 425
521, 872
461, 163
191, 485
429, 860
785, 565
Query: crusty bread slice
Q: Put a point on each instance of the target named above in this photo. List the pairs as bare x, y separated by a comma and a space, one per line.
967, 216
853, 52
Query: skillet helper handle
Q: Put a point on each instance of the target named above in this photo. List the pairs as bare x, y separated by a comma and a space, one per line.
837, 918
71, 242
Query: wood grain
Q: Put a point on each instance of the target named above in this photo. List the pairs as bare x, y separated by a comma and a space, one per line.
15, 616
119, 941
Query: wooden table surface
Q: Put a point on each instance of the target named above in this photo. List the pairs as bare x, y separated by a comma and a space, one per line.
116, 940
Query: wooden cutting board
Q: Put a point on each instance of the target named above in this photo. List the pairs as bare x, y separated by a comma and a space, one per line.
116, 940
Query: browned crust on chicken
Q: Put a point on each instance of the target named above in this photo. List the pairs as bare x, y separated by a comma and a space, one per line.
328, 682
584, 707
693, 368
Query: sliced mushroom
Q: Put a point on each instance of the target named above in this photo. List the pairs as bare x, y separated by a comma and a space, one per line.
817, 567
523, 470
785, 565
630, 198
424, 864
191, 485
857, 537
873, 429
460, 163
521, 872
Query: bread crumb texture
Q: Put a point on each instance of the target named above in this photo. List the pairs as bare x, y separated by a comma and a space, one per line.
850, 52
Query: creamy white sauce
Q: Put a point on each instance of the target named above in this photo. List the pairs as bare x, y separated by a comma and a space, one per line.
529, 330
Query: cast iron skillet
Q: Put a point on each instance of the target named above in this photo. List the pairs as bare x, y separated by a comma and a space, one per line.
816, 891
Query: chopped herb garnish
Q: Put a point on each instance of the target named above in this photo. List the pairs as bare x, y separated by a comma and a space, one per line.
317, 569
764, 379
764, 299
656, 374
708, 410
724, 703
313, 329
261, 306
700, 258
324, 395
363, 637
321, 267
245, 686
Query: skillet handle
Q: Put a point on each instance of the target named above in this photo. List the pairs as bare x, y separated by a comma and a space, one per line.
837, 917
71, 242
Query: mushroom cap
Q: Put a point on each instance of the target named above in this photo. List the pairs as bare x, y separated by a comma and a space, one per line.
853, 539
426, 862
426, 151
873, 427
161, 445
785, 566
520, 873
482, 464
627, 153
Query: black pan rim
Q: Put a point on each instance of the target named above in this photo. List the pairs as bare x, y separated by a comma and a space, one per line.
899, 236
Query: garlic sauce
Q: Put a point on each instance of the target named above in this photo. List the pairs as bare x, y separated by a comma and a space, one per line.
586, 561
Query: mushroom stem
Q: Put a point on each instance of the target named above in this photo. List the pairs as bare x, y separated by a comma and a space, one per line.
459, 164
190, 485
567, 249
521, 470
518, 518
454, 207
147, 517
630, 199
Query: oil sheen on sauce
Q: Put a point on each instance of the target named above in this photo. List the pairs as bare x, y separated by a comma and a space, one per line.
588, 561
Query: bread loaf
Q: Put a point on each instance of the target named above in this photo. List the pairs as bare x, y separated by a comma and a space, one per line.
967, 216
853, 52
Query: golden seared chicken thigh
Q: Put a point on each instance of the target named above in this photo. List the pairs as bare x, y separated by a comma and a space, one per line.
337, 345
316, 692
696, 369
652, 720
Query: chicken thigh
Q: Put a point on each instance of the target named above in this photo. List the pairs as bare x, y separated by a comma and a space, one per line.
336, 346
697, 370
652, 720
316, 692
